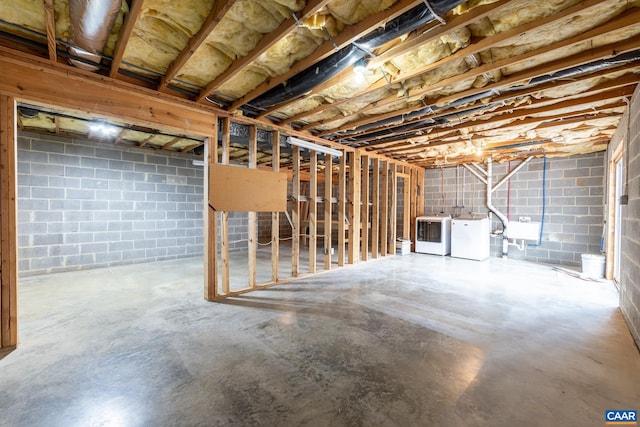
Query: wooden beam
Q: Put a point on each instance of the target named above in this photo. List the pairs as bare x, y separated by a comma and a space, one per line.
393, 209
342, 218
355, 196
50, 24
384, 207
8, 230
125, 34
211, 221
224, 216
275, 216
365, 209
295, 213
580, 58
406, 207
346, 37
146, 141
252, 216
174, 141
328, 183
375, 208
220, 8
411, 43
267, 41
313, 211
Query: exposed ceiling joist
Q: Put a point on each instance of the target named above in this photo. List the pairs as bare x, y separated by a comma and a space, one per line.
286, 27
347, 36
125, 33
220, 8
50, 23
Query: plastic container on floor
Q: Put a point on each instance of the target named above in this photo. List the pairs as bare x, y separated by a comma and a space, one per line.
593, 266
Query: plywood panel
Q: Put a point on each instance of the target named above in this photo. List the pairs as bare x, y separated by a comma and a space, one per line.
237, 189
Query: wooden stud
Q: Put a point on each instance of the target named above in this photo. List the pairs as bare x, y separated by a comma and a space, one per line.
354, 207
342, 218
393, 209
50, 23
420, 190
275, 216
252, 216
8, 231
328, 183
406, 217
375, 208
313, 210
365, 209
414, 207
125, 33
211, 222
384, 207
224, 216
295, 213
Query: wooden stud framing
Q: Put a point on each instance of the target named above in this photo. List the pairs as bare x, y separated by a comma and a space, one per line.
252, 216
354, 207
50, 23
406, 209
328, 182
364, 246
375, 208
393, 209
125, 33
342, 219
313, 210
211, 222
414, 207
224, 216
295, 213
8, 231
384, 208
275, 216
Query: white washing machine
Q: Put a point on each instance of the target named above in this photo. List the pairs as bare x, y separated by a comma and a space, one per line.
471, 237
433, 234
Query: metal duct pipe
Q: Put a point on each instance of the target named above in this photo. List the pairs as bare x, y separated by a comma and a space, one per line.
503, 219
328, 68
91, 23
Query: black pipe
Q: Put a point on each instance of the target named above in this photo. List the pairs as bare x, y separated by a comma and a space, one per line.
328, 68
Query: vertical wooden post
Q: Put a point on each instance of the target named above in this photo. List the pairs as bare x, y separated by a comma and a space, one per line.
393, 210
375, 208
224, 216
328, 183
295, 213
8, 231
406, 218
275, 216
211, 221
365, 209
384, 209
342, 219
414, 207
420, 190
313, 210
355, 195
252, 216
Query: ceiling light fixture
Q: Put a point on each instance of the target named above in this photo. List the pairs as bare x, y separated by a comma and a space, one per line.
105, 129
360, 66
311, 146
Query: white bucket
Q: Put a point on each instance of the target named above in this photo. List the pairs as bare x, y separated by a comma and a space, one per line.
593, 266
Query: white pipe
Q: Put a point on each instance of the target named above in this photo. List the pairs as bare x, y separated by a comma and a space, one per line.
500, 215
513, 172
477, 175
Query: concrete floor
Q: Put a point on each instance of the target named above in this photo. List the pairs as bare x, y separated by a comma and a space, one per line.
417, 340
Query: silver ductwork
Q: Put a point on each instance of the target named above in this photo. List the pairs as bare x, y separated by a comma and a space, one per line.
91, 24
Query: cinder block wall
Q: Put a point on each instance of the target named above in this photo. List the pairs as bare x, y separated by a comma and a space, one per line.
84, 204
628, 133
574, 211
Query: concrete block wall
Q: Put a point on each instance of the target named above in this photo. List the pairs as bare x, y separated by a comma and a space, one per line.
574, 211
628, 133
84, 204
